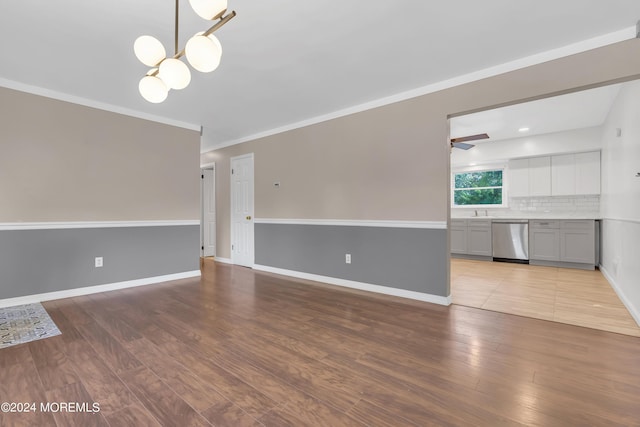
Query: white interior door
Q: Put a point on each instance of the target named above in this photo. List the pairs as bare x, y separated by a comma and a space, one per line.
242, 250
209, 212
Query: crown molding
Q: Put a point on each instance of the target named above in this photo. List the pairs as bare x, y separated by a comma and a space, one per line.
86, 102
550, 55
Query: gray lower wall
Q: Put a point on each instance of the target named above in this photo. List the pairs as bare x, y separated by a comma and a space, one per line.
403, 258
39, 261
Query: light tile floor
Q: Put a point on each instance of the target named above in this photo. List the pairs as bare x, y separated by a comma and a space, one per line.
576, 297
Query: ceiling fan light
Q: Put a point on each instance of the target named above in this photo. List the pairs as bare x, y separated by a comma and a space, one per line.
149, 50
208, 9
203, 53
174, 73
153, 89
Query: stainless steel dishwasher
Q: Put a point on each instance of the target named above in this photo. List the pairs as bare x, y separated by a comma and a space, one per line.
510, 239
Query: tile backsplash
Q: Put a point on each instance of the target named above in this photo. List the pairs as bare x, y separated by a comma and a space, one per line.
568, 204
543, 206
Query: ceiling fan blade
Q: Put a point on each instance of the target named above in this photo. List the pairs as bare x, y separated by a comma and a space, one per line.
461, 141
470, 138
462, 145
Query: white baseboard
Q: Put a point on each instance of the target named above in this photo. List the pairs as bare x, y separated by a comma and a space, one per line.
30, 299
403, 293
223, 260
632, 310
438, 225
10, 226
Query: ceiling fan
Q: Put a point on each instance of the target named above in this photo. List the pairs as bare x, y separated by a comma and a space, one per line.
462, 141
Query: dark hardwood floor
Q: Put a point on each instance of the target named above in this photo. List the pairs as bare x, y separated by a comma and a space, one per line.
244, 348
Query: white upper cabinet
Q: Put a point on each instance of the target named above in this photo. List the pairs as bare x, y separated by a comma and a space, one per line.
530, 177
519, 178
563, 175
540, 176
588, 173
575, 174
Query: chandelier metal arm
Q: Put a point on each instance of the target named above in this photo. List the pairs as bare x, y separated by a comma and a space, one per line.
223, 20
175, 51
211, 30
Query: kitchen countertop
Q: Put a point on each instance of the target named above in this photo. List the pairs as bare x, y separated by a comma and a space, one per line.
533, 216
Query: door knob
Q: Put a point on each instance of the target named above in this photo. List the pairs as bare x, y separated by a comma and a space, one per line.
248, 217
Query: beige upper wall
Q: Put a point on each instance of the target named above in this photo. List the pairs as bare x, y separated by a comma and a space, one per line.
339, 171
65, 162
392, 162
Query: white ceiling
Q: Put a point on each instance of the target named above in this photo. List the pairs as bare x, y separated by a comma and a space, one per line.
285, 61
560, 113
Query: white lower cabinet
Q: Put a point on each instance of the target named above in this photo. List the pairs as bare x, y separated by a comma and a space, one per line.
458, 233
578, 241
471, 237
563, 241
479, 238
544, 240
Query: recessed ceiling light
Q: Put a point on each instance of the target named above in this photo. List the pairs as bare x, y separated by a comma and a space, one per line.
525, 129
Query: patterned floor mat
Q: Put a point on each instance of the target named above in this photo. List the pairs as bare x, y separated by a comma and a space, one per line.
25, 323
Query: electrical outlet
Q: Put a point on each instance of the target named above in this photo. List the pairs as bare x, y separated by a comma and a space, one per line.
347, 258
99, 261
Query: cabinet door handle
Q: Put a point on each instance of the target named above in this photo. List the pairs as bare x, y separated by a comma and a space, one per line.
249, 218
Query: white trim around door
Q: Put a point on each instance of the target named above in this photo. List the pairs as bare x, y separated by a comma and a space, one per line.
208, 211
242, 210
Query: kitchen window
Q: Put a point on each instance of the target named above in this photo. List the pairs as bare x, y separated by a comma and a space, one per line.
479, 188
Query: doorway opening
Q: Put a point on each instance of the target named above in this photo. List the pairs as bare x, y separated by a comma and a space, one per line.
550, 163
208, 211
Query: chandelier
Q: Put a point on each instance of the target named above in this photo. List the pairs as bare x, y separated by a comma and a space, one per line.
203, 52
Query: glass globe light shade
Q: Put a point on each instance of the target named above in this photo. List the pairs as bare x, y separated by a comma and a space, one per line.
174, 73
208, 9
203, 53
153, 89
149, 50
215, 40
